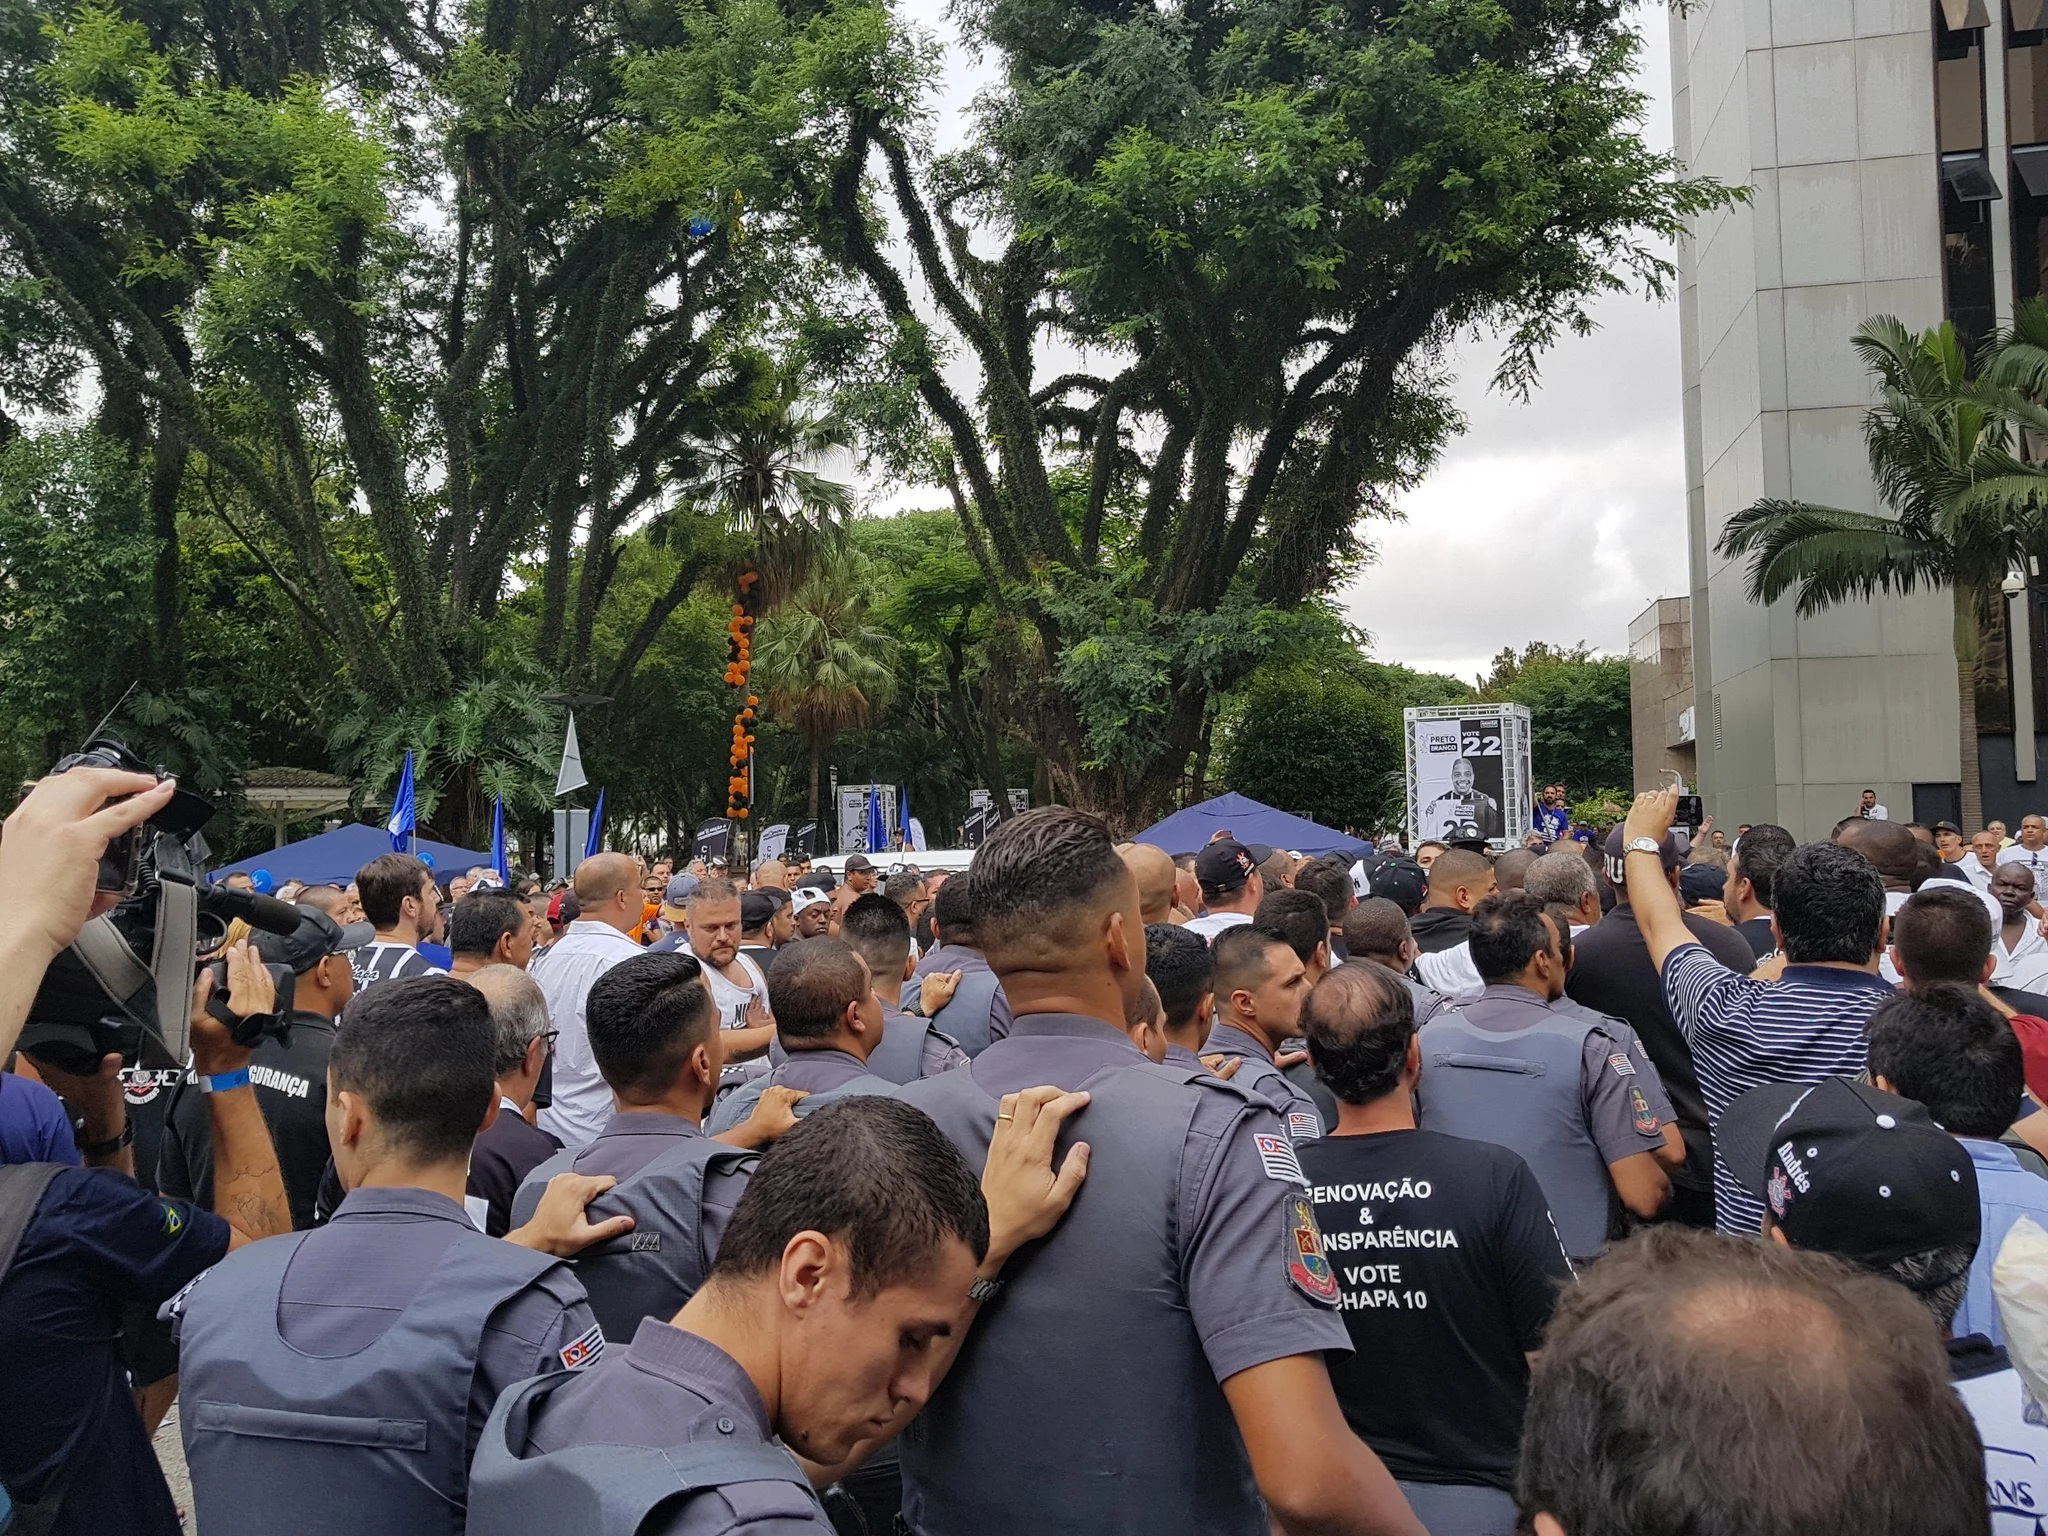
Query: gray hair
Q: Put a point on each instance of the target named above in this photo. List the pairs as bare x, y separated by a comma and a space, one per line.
519, 1012
1563, 878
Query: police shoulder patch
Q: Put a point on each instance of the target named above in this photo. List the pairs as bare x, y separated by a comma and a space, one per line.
1623, 1067
1645, 1117
1308, 1269
586, 1349
1276, 1155
1303, 1126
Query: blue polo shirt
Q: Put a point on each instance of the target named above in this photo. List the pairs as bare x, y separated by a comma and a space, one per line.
2005, 1193
97, 1242
33, 1125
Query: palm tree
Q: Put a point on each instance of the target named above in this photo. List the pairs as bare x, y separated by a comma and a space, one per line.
820, 664
1966, 507
760, 474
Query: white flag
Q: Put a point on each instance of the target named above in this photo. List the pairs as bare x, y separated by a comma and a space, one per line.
571, 776
916, 835
774, 840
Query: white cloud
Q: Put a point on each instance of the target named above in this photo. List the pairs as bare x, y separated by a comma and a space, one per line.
1557, 520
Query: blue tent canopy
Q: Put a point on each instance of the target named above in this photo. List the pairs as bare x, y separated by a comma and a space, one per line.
1249, 822
332, 858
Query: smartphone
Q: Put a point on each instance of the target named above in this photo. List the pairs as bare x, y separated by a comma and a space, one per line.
1692, 811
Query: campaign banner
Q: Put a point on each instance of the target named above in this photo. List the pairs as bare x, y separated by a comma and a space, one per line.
1468, 774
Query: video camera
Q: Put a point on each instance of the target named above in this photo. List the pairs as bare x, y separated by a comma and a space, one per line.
126, 984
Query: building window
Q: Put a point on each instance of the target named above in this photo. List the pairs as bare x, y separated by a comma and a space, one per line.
1967, 184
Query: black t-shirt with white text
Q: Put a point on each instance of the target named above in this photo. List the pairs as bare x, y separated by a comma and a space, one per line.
1449, 1266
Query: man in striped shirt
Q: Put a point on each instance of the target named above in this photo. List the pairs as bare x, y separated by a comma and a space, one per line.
1828, 912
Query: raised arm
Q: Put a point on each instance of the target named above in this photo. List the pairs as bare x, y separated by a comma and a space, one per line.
1650, 896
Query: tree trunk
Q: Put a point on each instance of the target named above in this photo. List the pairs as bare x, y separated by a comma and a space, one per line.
817, 759
1968, 603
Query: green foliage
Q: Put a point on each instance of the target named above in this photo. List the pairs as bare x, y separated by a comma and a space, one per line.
1319, 744
1579, 734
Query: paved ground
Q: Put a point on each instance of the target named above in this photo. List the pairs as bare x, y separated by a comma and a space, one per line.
170, 1453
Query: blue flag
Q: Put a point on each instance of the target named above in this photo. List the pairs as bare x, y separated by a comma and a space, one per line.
403, 823
903, 814
595, 841
499, 862
878, 829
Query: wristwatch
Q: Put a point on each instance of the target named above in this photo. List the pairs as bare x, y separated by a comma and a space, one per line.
1643, 845
984, 1290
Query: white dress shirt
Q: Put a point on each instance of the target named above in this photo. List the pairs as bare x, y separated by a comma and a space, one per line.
583, 1104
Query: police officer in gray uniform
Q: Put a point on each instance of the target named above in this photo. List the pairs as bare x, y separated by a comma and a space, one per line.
349, 1370
859, 1254
654, 1036
1557, 1087
1155, 1367
1181, 966
911, 1047
828, 1022
1261, 984
977, 1013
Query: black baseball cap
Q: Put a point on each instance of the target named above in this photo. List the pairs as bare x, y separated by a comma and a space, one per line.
1948, 826
1400, 880
1702, 882
757, 910
856, 862
1670, 852
1226, 864
316, 937
1848, 1169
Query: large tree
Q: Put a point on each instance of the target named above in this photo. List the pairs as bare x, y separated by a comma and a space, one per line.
1195, 265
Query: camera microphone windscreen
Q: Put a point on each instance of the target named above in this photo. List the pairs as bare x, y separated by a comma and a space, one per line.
265, 912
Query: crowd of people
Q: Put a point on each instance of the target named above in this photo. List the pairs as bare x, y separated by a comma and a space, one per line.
1653, 1182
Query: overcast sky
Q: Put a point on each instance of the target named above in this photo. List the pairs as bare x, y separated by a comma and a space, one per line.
1557, 520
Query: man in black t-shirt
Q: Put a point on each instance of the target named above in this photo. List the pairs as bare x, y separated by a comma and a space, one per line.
290, 1075
1446, 1258
1751, 869
508, 1149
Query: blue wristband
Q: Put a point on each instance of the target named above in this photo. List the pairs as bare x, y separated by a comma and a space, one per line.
225, 1082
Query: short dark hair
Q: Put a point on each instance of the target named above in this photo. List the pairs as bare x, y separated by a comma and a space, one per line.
1328, 879
870, 1172
1511, 869
383, 884
422, 1051
810, 983
902, 886
953, 912
1037, 878
1508, 931
1243, 954
1376, 926
1943, 933
1757, 856
1829, 902
644, 1016
1665, 1400
1359, 1020
1298, 917
1949, 1049
1181, 967
480, 920
880, 929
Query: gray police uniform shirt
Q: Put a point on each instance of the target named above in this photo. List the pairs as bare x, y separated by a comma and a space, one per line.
671, 1388
1625, 1114
1106, 1350
634, 1139
352, 1278
938, 1052
1297, 1111
833, 1072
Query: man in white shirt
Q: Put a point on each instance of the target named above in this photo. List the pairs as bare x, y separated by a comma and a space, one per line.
1982, 859
1231, 885
608, 891
2031, 850
1870, 810
738, 989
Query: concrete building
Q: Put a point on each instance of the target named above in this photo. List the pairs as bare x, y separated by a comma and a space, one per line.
1661, 715
1897, 152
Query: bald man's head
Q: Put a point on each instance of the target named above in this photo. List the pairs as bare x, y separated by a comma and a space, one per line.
608, 889
1155, 873
1459, 879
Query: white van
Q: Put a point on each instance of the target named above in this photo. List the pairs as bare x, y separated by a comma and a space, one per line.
951, 860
